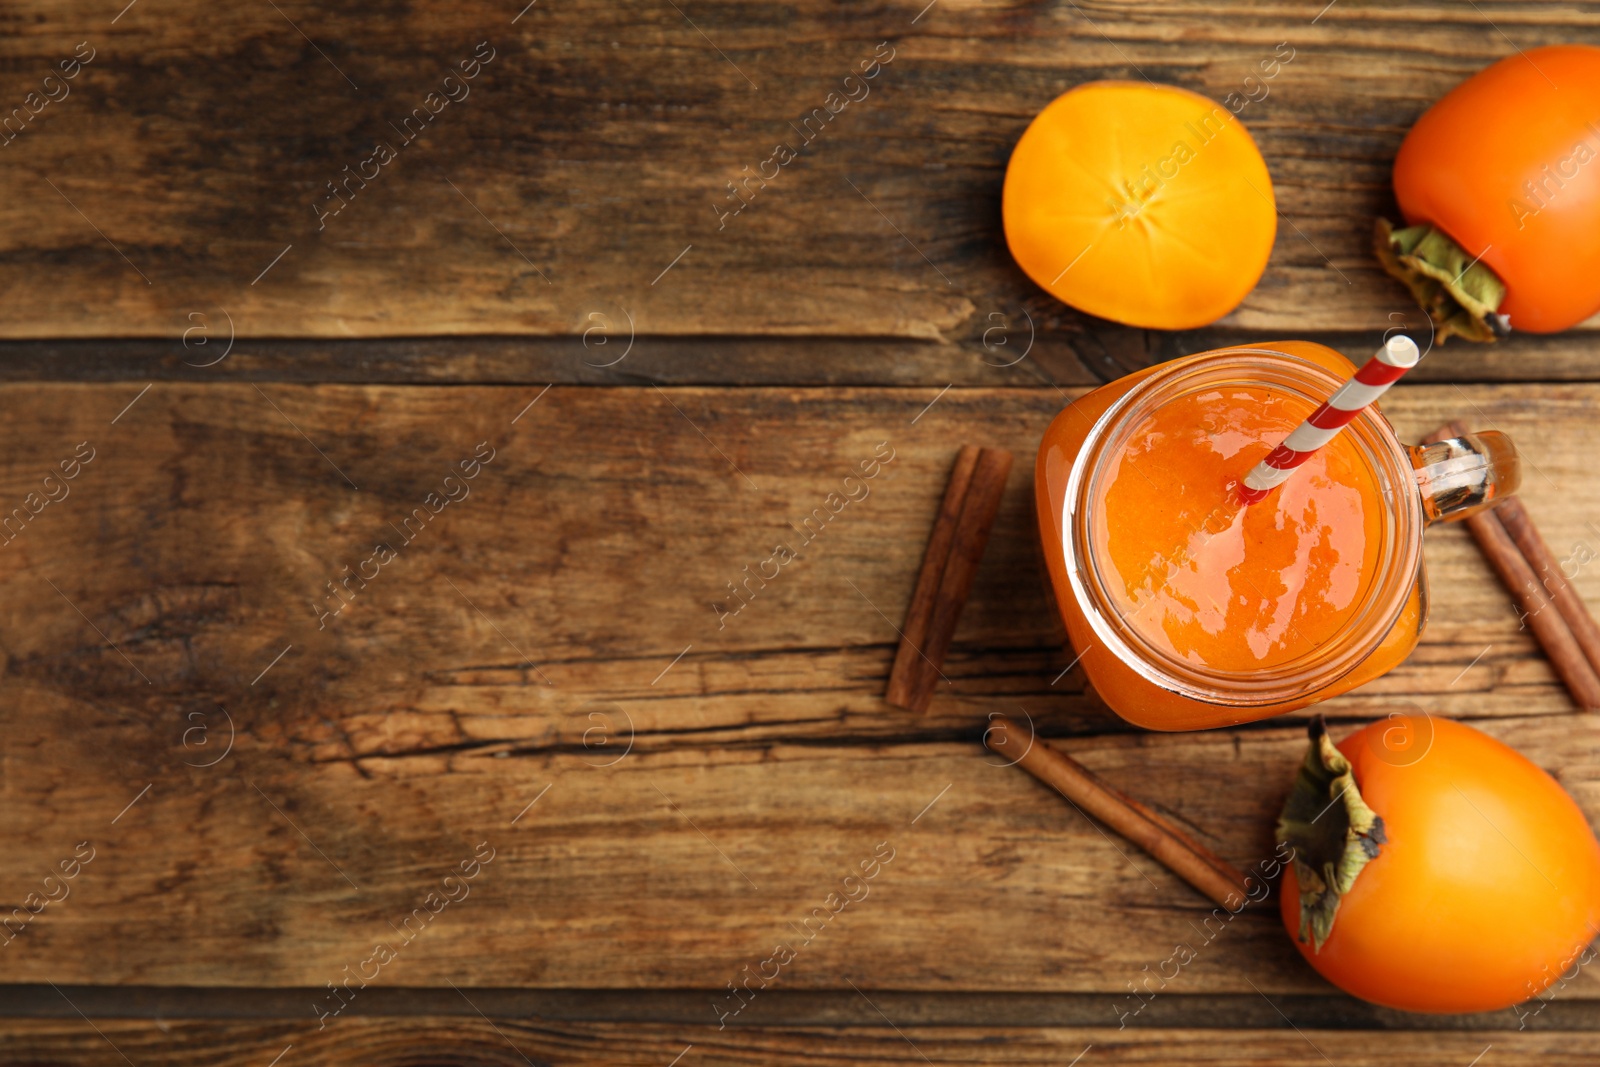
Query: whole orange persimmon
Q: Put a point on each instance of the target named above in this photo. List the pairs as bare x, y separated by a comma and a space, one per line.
1145, 204
1436, 869
1499, 183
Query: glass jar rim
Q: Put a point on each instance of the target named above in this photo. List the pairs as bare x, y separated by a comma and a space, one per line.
1388, 587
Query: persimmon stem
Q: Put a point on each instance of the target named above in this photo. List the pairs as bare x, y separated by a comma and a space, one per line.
1460, 293
1332, 831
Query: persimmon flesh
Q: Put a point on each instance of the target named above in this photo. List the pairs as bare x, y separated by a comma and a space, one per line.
1485, 886
1145, 204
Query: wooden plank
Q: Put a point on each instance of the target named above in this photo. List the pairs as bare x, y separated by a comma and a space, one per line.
507, 648
1007, 359
189, 169
781, 1007
516, 1043
1000, 360
673, 869
810, 645
601, 610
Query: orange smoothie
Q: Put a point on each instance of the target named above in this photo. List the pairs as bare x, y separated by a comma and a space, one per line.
1222, 585
1188, 609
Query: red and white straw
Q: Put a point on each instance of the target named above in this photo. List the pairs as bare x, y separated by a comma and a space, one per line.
1398, 355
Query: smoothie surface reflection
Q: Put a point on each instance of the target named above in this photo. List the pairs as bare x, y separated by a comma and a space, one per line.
1209, 580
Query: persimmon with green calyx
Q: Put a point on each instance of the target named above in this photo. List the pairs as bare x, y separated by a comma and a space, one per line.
1435, 869
1499, 183
1145, 204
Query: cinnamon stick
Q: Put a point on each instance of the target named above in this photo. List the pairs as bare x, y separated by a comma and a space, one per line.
1540, 610
1157, 835
978, 511
908, 658
1514, 517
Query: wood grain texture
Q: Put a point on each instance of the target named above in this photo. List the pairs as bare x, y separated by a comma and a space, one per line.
595, 149
557, 666
516, 1043
571, 594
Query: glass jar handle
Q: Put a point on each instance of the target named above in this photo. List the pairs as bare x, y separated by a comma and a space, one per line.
1460, 476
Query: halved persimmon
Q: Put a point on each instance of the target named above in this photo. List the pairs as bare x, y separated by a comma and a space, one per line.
1146, 204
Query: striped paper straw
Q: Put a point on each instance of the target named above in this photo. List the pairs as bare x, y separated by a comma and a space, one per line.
1398, 355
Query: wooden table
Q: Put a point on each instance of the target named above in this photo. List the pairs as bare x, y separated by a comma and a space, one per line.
283, 748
